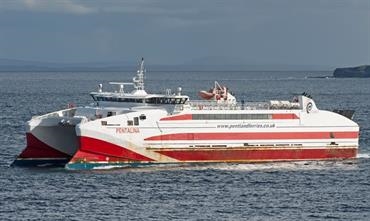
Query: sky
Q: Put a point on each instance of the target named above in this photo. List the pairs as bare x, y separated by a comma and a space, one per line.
288, 32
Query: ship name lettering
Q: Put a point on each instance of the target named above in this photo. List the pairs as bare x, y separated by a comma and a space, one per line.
125, 130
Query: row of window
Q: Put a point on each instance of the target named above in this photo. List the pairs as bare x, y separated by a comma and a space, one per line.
165, 100
135, 122
232, 116
153, 100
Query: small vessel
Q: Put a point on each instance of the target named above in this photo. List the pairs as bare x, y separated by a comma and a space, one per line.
133, 127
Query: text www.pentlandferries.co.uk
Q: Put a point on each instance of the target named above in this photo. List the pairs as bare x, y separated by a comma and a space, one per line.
231, 126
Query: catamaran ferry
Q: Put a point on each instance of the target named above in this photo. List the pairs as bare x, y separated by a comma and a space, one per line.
129, 128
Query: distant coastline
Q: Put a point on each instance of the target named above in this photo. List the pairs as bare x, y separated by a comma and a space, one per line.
362, 71
12, 65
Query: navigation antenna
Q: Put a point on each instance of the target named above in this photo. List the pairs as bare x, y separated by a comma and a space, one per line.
139, 79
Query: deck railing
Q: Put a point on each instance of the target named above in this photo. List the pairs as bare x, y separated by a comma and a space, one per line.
214, 105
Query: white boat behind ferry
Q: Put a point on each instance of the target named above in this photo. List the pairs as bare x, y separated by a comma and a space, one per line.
137, 128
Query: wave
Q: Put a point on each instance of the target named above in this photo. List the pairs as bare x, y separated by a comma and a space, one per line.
285, 166
363, 156
268, 167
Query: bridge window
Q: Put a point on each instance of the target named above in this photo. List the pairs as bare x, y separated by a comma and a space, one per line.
111, 113
136, 121
153, 100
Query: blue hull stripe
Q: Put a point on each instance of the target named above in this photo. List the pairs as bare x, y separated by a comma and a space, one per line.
40, 162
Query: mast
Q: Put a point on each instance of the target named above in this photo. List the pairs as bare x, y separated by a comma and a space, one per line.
139, 79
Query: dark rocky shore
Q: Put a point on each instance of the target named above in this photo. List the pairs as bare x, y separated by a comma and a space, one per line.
358, 72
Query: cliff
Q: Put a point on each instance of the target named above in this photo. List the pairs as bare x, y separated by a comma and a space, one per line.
358, 72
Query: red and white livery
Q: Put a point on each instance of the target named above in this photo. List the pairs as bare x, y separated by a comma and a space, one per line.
138, 128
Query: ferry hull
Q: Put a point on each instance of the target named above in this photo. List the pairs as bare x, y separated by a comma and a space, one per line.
137, 128
100, 154
38, 153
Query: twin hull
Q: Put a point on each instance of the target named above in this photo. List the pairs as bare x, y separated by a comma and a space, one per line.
49, 141
151, 136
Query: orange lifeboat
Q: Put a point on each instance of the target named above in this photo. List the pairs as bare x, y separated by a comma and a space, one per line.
217, 93
207, 95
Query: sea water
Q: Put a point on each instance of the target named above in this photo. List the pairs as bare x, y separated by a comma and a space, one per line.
331, 190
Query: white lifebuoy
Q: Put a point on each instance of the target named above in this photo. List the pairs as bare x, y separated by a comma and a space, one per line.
309, 107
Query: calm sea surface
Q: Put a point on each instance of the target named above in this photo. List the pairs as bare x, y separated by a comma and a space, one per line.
275, 191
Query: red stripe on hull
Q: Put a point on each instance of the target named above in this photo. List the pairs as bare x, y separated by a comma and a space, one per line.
179, 117
38, 149
284, 116
94, 148
257, 136
83, 156
260, 154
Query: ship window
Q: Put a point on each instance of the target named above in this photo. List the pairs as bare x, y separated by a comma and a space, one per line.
136, 121
164, 100
130, 123
231, 116
110, 113
142, 117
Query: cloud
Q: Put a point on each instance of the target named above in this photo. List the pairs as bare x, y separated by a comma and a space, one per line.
140, 7
177, 22
147, 7
57, 6
169, 7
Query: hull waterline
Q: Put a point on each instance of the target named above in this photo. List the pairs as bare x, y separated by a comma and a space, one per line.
95, 154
